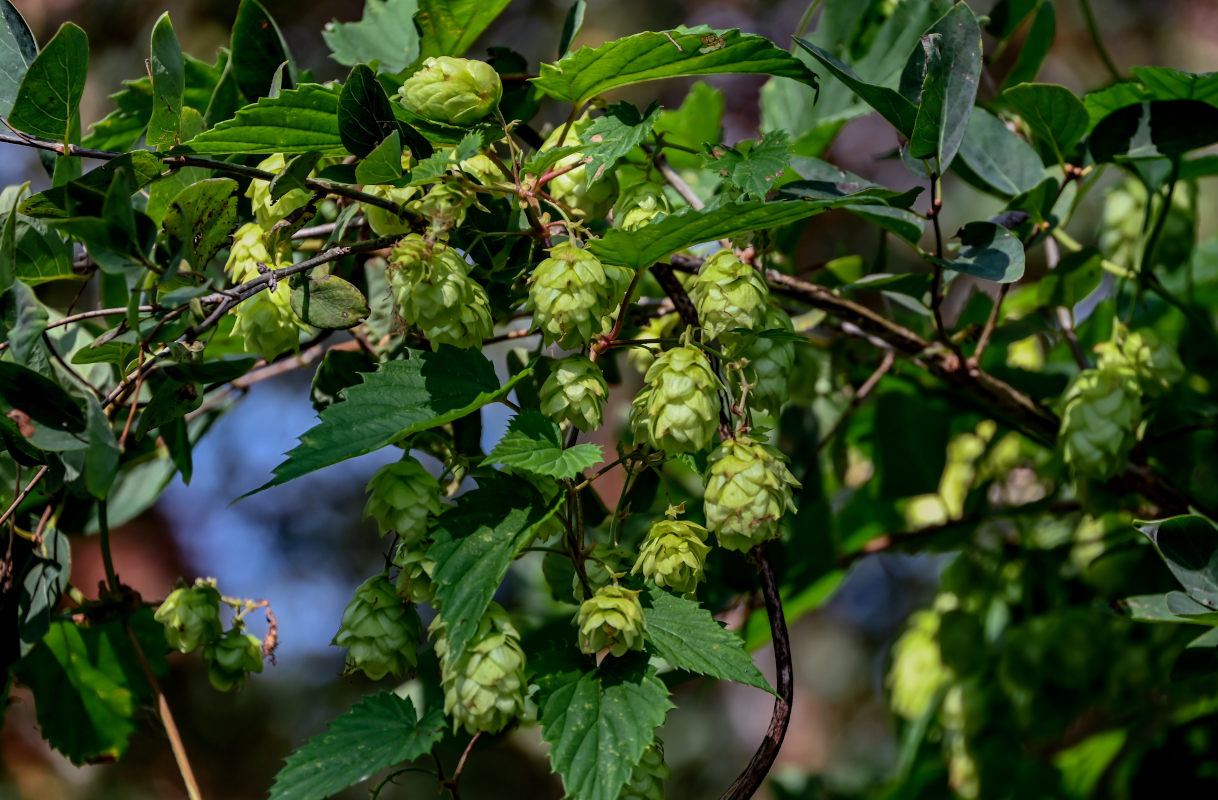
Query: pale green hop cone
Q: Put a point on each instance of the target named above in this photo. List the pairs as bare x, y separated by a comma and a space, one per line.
575, 392
230, 658
1154, 361
484, 685
748, 489
729, 294
1099, 421
673, 555
458, 91
191, 616
648, 776
678, 409
569, 293
639, 204
380, 631
401, 497
611, 619
771, 362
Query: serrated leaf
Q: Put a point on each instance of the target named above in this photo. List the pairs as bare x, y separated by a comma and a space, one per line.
450, 27
258, 50
17, 51
378, 732
328, 301
953, 70
399, 399
438, 164
649, 56
203, 217
890, 103
168, 85
611, 136
599, 723
297, 121
475, 543
655, 242
1052, 112
45, 579
753, 170
533, 443
988, 251
386, 33
684, 634
48, 99
1189, 546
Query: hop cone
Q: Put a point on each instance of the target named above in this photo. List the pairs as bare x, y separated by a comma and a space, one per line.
575, 392
230, 657
267, 323
401, 497
483, 685
638, 205
678, 410
482, 169
748, 489
613, 619
191, 616
410, 262
1150, 358
917, 671
414, 578
434, 292
443, 207
379, 630
572, 188
1121, 224
382, 221
453, 90
771, 362
673, 555
729, 294
266, 210
648, 776
569, 292
1101, 413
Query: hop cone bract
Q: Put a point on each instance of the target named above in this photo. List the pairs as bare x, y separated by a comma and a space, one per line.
678, 409
191, 616
770, 363
484, 684
384, 222
729, 294
575, 392
453, 90
1101, 413
266, 210
648, 776
230, 657
401, 497
748, 489
1150, 358
612, 618
673, 555
414, 578
638, 205
379, 630
434, 292
267, 323
569, 293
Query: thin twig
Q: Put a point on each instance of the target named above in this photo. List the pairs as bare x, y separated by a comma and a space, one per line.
1093, 31
24, 493
859, 396
674, 180
990, 324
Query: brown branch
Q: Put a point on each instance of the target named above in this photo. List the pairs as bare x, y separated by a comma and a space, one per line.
24, 493
990, 324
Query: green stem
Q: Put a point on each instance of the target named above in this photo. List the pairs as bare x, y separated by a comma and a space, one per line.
103, 526
1094, 32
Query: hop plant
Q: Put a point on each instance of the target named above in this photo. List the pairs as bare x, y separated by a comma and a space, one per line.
410, 262
572, 188
443, 207
267, 323
1154, 361
453, 90
483, 684
247, 252
729, 294
575, 392
230, 657
1121, 232
748, 489
191, 616
380, 631
434, 292
770, 362
677, 410
673, 554
638, 205
384, 222
401, 497
266, 210
611, 619
1101, 413
917, 671
647, 778
415, 572
569, 293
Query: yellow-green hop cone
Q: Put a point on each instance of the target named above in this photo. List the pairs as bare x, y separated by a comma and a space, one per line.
247, 251
401, 497
410, 261
678, 409
1154, 361
569, 293
484, 685
453, 90
443, 207
415, 572
673, 555
748, 489
611, 619
638, 205
1099, 421
191, 616
434, 292
230, 658
917, 671
267, 323
384, 222
729, 294
268, 211
379, 630
575, 392
648, 776
771, 362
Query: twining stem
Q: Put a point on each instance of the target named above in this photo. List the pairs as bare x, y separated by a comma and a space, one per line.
1093, 31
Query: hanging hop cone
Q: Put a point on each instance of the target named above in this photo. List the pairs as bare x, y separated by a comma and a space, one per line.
573, 189
453, 90
382, 221
434, 292
673, 555
771, 362
729, 294
266, 210
401, 497
638, 205
678, 410
267, 323
611, 619
379, 630
1150, 358
648, 776
569, 293
1099, 421
575, 392
191, 616
247, 251
748, 489
484, 685
443, 207
415, 572
917, 671
230, 657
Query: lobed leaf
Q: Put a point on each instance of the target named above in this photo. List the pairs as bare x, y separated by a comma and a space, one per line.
386, 33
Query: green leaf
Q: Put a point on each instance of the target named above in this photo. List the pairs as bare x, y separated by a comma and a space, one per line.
168, 85
650, 56
599, 723
825, 181
30, 322
1189, 546
86, 196
440, 162
684, 634
571, 26
17, 51
988, 251
890, 104
1006, 15
753, 169
203, 217
450, 27
328, 301
655, 242
45, 579
1036, 46
386, 33
49, 97
102, 456
475, 543
1052, 112
1164, 83
1154, 129
698, 120
171, 400
122, 128
258, 51
365, 116
31, 251
898, 221
44, 400
534, 444
953, 69
399, 399
297, 121
994, 157
384, 163
610, 137
378, 732
1150, 608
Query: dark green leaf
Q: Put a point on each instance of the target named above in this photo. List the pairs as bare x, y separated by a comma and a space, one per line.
1036, 45
890, 104
258, 50
755, 168
533, 443
294, 175
176, 436
1052, 112
988, 251
953, 69
168, 85
40, 397
122, 128
203, 217
1164, 83
898, 221
328, 301
450, 27
1150, 608
1189, 545
379, 732
220, 370
571, 26
1005, 16
102, 456
339, 369
824, 181
610, 137
384, 163
588, 72
29, 324
171, 399
32, 252
994, 156
685, 635
17, 51
297, 121
86, 196
386, 33
1155, 129
45, 579
49, 97
400, 398
365, 116
911, 432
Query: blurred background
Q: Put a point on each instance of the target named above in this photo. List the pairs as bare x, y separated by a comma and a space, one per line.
304, 547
